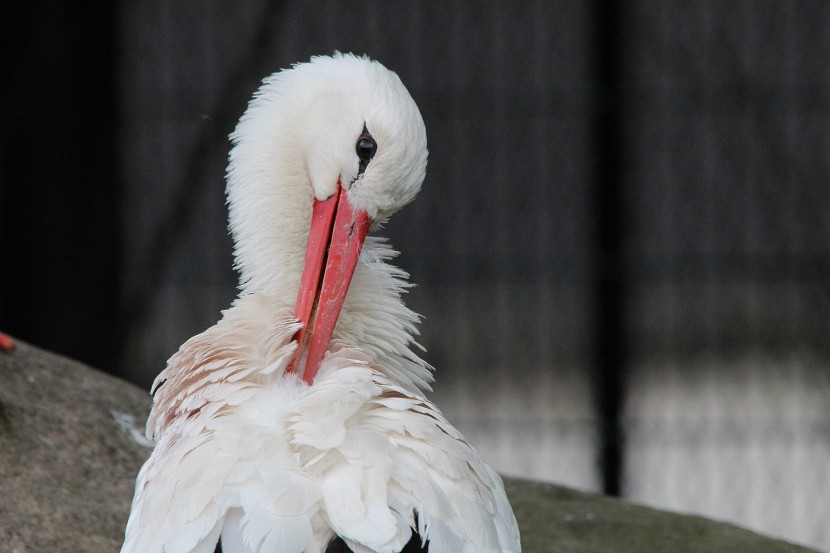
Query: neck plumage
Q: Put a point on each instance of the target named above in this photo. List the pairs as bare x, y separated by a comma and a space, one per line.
269, 219
374, 317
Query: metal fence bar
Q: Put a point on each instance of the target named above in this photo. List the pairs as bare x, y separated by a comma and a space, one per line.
609, 360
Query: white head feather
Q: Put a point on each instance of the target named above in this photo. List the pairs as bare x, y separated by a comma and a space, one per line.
297, 138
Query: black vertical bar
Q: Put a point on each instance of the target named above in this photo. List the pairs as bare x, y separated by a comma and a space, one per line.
610, 361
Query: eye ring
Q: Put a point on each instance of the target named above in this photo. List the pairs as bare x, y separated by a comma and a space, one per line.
365, 147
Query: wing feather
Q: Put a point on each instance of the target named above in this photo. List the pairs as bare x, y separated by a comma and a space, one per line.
170, 514
213, 473
394, 456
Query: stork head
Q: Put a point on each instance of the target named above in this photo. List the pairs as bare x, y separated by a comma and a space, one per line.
325, 150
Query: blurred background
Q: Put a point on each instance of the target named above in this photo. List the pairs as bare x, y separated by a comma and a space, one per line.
622, 248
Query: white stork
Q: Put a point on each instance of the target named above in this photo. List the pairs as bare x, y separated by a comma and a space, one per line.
300, 417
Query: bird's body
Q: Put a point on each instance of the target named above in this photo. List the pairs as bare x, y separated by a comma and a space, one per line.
260, 444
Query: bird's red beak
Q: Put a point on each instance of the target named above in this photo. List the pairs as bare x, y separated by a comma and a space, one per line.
334, 244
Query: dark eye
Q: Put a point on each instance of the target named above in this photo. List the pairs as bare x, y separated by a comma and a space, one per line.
365, 148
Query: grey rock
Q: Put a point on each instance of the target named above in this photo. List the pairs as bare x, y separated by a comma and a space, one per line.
68, 459
561, 520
